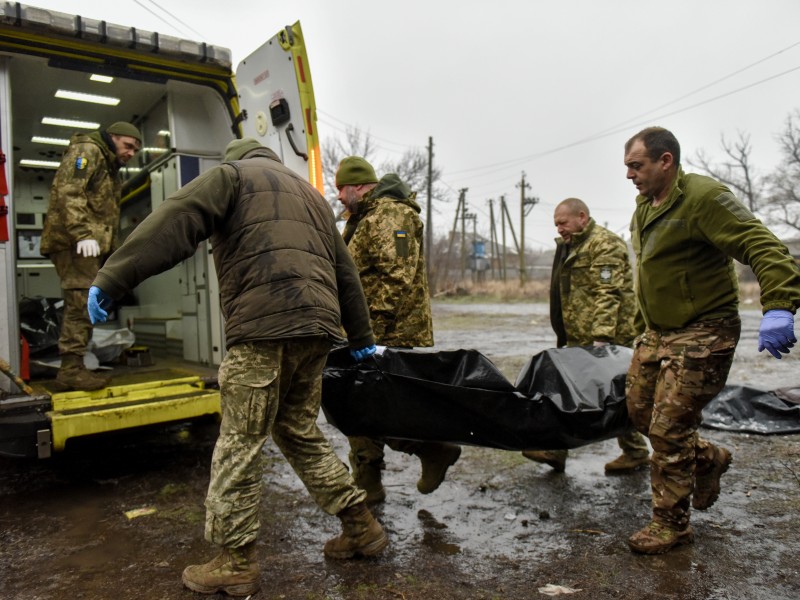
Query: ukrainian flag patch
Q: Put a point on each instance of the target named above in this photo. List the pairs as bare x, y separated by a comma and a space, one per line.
401, 243
81, 163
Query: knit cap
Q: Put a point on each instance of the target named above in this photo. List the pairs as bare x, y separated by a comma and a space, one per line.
124, 128
354, 170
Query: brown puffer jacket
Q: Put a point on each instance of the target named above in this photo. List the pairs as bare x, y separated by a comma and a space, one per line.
283, 268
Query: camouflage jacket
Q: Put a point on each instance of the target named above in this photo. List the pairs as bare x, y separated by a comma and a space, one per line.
386, 239
84, 197
683, 252
594, 286
284, 271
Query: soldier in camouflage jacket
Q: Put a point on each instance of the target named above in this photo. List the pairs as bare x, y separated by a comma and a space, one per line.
592, 284
592, 303
80, 229
386, 239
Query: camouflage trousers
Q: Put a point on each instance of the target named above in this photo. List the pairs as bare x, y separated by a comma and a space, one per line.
271, 387
76, 274
633, 444
364, 450
672, 376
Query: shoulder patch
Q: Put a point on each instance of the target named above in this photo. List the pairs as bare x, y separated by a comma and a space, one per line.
81, 166
735, 206
401, 243
605, 274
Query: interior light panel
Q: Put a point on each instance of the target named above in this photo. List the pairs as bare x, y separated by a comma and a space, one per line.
70, 123
81, 97
38, 139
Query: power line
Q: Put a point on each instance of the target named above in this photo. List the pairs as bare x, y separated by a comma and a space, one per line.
178, 19
704, 87
605, 134
619, 128
171, 25
663, 116
344, 132
627, 124
346, 124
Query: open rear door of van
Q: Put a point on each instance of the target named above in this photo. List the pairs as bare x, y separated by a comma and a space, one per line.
277, 97
171, 88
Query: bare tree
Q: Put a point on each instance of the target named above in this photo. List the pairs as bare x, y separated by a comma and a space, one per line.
412, 166
783, 204
355, 143
736, 171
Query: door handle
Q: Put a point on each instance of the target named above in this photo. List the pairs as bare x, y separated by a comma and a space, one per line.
289, 130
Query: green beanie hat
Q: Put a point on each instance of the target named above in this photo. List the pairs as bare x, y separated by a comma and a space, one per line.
238, 148
124, 128
354, 170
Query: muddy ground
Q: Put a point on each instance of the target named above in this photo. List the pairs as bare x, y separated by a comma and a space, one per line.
500, 527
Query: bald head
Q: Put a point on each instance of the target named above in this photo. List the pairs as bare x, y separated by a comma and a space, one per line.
574, 206
570, 217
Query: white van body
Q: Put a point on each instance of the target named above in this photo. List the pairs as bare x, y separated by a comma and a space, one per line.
188, 104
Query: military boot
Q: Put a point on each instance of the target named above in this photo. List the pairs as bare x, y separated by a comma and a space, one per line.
368, 477
626, 462
657, 538
75, 376
361, 534
707, 484
436, 458
234, 571
554, 458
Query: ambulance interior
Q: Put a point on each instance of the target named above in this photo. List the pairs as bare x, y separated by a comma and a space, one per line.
184, 126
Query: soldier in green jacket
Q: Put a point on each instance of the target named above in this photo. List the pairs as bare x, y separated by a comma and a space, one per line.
287, 285
685, 230
592, 303
384, 234
81, 230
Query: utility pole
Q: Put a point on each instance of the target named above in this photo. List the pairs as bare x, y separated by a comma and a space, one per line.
504, 206
429, 213
503, 225
465, 216
476, 273
461, 201
507, 217
493, 250
525, 207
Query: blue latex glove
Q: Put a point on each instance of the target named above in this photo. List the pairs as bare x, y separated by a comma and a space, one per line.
776, 333
98, 299
362, 353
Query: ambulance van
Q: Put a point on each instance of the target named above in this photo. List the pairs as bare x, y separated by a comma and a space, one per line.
61, 74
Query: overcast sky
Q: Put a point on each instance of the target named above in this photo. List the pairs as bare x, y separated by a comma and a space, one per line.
511, 86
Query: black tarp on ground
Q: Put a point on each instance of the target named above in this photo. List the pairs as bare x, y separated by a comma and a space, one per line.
563, 398
750, 410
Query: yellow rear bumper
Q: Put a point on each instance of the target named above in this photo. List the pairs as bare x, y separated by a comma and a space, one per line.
113, 408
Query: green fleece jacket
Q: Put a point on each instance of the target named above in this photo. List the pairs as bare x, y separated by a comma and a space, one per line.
684, 249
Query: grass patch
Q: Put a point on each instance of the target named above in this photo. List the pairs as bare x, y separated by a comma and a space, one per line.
496, 291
